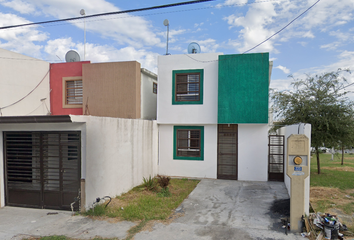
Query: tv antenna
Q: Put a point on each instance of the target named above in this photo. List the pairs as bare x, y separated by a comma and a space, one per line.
194, 47
72, 56
82, 12
167, 24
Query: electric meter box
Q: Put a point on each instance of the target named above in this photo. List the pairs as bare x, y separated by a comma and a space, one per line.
298, 169
298, 156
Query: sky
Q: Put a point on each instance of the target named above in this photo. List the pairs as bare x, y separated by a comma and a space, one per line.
319, 41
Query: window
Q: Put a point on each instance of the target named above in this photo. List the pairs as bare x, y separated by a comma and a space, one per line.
187, 86
154, 88
188, 142
72, 92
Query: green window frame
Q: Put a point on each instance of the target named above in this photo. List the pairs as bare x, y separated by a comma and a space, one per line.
187, 86
188, 143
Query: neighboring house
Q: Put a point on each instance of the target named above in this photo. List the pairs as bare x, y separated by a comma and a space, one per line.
213, 115
113, 89
67, 158
24, 85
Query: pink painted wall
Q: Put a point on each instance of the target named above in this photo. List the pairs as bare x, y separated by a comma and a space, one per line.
57, 72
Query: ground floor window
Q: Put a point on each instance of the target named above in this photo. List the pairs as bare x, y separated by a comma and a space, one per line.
188, 142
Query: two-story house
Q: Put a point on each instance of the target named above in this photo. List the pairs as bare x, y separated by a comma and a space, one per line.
213, 115
72, 132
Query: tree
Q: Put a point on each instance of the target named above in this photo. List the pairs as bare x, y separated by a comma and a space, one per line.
322, 101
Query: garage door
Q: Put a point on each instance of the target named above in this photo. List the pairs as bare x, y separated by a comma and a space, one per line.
42, 169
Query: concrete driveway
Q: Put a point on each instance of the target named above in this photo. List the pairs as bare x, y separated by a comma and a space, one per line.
225, 209
215, 210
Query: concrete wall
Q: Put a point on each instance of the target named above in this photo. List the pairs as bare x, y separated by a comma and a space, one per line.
112, 89
300, 128
148, 97
19, 75
253, 152
119, 153
205, 113
116, 153
57, 72
40, 127
188, 168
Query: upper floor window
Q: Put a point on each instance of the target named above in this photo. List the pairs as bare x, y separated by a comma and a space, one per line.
72, 92
154, 88
187, 86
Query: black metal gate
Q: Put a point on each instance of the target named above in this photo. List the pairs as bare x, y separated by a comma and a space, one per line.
276, 158
227, 151
42, 169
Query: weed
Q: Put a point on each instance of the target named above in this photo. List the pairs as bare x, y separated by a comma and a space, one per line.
134, 230
149, 184
165, 192
163, 181
98, 210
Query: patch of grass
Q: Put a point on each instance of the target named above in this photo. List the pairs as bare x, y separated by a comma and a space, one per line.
348, 208
145, 205
323, 205
332, 178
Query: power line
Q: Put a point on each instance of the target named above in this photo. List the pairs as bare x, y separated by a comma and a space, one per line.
284, 26
131, 16
109, 13
265, 39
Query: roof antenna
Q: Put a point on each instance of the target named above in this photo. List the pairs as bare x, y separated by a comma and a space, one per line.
167, 24
82, 12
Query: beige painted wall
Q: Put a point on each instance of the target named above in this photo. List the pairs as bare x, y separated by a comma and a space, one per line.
112, 89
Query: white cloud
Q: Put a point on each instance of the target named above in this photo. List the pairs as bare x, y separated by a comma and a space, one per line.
101, 53
232, 2
124, 29
22, 40
18, 5
284, 69
262, 20
253, 27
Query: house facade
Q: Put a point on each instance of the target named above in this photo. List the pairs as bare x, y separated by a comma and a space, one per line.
54, 157
112, 89
213, 115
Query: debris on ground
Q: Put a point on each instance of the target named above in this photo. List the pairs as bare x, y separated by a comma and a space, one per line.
324, 226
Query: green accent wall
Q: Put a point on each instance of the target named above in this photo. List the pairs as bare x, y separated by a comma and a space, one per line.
243, 88
201, 128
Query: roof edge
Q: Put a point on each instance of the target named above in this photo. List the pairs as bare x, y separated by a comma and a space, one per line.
36, 119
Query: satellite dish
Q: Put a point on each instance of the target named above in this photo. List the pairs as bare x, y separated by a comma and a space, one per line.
193, 47
166, 23
72, 56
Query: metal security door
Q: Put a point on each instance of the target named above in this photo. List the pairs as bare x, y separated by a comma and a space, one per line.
276, 158
42, 169
227, 151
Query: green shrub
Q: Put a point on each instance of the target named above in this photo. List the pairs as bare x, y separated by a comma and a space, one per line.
149, 184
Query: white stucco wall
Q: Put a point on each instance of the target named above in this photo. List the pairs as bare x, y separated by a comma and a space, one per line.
205, 113
287, 131
188, 168
40, 127
19, 75
253, 152
148, 97
119, 153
